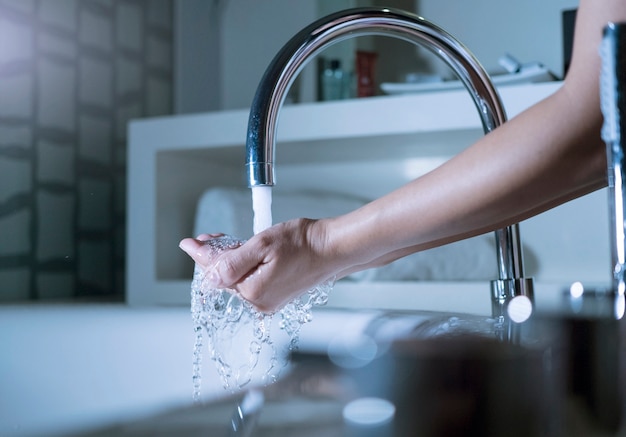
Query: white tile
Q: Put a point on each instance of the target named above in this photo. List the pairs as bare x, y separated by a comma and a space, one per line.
55, 226
52, 285
95, 139
124, 115
96, 81
159, 95
19, 5
17, 96
60, 13
128, 76
56, 103
104, 3
95, 30
159, 53
15, 177
120, 194
160, 13
16, 40
15, 135
15, 233
121, 157
94, 205
129, 26
51, 43
18, 172
94, 266
55, 163
14, 284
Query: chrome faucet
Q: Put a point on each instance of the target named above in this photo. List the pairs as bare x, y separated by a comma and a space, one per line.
607, 402
593, 321
613, 92
340, 26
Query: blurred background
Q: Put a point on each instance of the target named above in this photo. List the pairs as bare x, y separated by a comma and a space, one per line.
74, 72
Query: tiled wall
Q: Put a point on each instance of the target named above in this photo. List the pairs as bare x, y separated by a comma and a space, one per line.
72, 73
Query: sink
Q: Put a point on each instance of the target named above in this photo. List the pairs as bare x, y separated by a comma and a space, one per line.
421, 373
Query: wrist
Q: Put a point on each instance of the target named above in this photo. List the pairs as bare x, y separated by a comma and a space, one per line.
346, 242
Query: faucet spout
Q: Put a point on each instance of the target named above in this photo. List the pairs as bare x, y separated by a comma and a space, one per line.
290, 60
340, 26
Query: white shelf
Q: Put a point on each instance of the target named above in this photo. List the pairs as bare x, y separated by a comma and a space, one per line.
173, 160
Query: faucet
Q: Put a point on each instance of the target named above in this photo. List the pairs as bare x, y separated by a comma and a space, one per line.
604, 311
613, 93
290, 60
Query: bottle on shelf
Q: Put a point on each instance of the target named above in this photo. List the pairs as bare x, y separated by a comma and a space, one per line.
333, 81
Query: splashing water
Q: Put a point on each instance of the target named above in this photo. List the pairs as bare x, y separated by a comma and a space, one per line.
231, 322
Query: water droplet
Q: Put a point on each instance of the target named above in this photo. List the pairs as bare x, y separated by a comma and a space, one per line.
230, 322
255, 347
234, 309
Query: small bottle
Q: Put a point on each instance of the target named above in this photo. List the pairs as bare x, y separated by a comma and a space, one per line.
366, 66
333, 81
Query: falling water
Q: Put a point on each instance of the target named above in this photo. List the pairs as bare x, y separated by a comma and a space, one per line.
230, 321
262, 208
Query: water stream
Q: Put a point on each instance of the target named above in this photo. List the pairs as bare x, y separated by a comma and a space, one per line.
262, 208
244, 343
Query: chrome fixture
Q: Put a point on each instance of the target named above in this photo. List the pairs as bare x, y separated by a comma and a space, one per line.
595, 322
613, 93
607, 403
340, 26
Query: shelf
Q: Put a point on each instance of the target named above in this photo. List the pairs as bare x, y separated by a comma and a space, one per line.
356, 118
330, 145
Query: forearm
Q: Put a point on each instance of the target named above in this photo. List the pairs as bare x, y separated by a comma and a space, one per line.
386, 258
542, 158
547, 155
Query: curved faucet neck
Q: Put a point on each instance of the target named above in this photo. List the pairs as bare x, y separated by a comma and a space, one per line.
294, 55
337, 27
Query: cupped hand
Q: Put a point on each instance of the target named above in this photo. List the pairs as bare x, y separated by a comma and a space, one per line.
271, 268
198, 250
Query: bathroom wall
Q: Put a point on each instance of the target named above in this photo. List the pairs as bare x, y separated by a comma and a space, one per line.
530, 30
231, 42
72, 73
224, 46
196, 56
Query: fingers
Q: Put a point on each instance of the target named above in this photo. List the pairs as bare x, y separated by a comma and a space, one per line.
193, 248
205, 237
224, 269
271, 268
198, 250
233, 266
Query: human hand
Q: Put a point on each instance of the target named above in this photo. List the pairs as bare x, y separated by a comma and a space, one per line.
271, 268
205, 247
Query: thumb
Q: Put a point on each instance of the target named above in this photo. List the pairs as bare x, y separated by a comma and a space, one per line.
223, 265
196, 250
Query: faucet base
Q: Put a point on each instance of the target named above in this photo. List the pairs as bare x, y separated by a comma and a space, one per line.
503, 292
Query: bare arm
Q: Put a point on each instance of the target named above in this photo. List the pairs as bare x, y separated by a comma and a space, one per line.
547, 155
